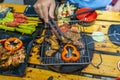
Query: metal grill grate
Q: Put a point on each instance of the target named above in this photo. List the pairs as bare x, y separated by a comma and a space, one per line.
85, 54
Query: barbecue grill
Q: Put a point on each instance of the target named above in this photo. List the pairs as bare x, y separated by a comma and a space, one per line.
57, 64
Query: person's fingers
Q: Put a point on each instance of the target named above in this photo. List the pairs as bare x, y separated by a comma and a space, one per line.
38, 10
45, 12
109, 8
51, 10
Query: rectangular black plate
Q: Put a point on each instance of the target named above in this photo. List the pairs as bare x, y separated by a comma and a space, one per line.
27, 40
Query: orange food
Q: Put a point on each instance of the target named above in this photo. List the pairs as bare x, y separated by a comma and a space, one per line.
13, 44
72, 57
2, 40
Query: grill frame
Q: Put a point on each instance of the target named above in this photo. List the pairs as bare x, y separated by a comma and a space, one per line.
85, 58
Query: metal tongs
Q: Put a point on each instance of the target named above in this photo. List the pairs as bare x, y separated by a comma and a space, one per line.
56, 29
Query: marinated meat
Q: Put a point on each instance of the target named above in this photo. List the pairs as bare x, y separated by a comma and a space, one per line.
77, 43
13, 24
17, 15
75, 28
8, 58
72, 35
49, 53
54, 43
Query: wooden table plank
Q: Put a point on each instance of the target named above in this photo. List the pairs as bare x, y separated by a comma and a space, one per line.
40, 74
107, 45
106, 15
17, 7
107, 68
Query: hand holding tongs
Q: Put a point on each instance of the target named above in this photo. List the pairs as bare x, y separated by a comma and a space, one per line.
56, 29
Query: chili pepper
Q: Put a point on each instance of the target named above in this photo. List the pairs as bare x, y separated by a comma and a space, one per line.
33, 25
24, 31
7, 28
17, 44
72, 57
27, 27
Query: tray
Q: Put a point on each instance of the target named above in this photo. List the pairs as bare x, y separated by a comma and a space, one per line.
114, 33
20, 69
39, 29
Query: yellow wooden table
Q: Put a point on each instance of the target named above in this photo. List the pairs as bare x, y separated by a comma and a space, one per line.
107, 68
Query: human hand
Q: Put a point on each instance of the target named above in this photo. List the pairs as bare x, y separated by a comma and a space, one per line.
45, 8
113, 8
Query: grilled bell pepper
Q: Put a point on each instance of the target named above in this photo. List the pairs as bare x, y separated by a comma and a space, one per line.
75, 54
13, 44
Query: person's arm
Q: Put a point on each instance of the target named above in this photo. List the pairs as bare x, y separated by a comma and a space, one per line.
45, 8
115, 8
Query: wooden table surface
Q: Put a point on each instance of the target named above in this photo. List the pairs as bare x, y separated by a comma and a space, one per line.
107, 68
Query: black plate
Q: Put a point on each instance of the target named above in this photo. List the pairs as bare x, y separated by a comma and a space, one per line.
38, 31
114, 33
69, 68
30, 11
19, 70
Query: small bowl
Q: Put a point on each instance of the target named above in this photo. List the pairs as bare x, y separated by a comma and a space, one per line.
98, 36
86, 18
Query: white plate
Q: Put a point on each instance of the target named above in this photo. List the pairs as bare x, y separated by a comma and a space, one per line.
98, 36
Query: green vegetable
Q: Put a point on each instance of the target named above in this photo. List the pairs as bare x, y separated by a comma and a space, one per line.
27, 28
24, 31
65, 9
64, 19
7, 28
30, 24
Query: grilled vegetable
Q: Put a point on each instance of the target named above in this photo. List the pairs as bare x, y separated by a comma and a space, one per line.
75, 54
13, 44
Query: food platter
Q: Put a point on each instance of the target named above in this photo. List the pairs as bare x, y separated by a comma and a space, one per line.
27, 43
20, 24
114, 33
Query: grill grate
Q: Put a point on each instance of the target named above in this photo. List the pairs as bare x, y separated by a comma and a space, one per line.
85, 53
